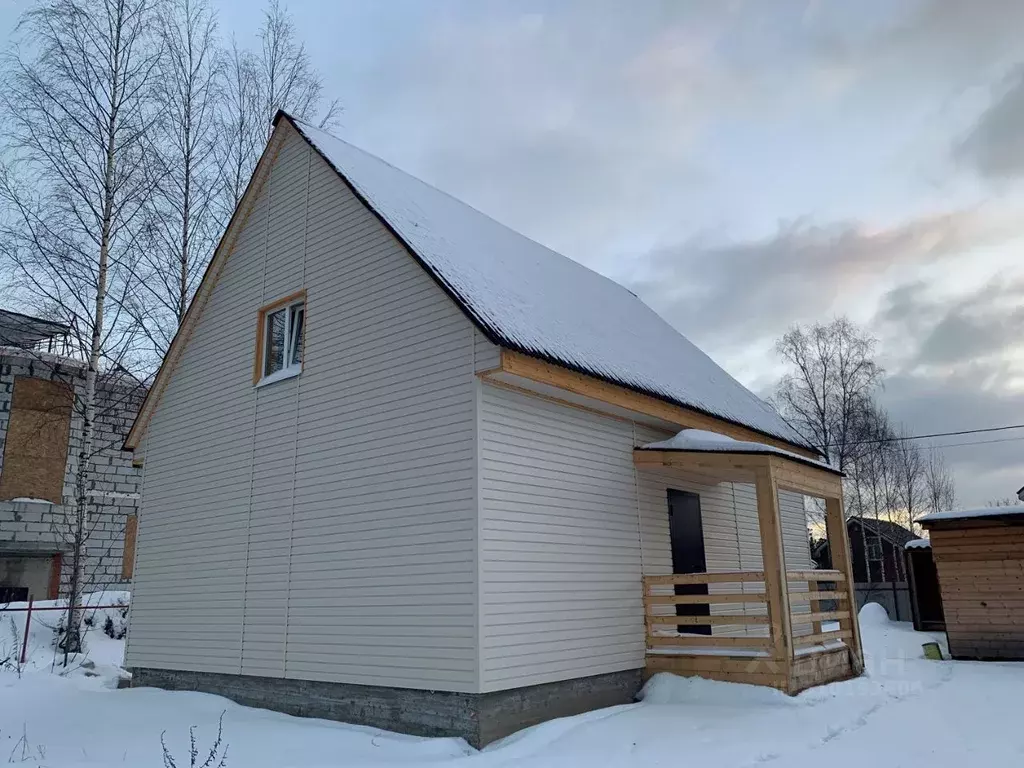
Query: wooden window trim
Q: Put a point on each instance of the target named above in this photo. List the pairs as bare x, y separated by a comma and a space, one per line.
261, 331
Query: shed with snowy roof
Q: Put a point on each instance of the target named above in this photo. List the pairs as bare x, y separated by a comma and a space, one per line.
979, 558
408, 468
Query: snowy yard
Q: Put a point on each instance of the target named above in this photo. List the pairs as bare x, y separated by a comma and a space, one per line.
905, 712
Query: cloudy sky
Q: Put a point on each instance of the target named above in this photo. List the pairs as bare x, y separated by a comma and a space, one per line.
742, 166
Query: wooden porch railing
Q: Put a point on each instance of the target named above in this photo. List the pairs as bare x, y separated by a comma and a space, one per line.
662, 623
667, 630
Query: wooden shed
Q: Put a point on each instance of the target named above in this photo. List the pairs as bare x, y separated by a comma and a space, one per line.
979, 557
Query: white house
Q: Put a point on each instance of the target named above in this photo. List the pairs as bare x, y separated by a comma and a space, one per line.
406, 467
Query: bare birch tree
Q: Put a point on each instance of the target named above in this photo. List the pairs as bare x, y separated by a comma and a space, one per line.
832, 378
940, 490
184, 215
73, 185
910, 479
240, 126
278, 75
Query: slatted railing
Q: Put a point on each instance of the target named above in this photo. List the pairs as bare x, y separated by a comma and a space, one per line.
667, 630
728, 609
814, 596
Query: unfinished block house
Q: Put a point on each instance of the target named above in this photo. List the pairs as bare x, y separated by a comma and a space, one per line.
406, 467
40, 436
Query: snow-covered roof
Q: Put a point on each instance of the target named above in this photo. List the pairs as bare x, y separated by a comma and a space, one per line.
918, 544
894, 532
965, 514
702, 441
529, 298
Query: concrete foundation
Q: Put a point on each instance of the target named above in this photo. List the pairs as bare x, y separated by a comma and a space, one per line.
479, 718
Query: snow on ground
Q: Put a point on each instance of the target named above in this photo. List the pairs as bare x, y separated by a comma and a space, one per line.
906, 711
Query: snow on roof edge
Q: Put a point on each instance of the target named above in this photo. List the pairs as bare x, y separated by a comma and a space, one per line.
1016, 510
703, 441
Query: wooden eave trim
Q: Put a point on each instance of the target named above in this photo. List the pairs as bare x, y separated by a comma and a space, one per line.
210, 277
788, 474
261, 328
543, 372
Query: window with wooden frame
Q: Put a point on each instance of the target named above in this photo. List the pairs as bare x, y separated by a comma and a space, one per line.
279, 335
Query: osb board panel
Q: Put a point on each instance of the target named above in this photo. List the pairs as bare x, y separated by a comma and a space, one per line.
32, 394
131, 527
32, 478
36, 445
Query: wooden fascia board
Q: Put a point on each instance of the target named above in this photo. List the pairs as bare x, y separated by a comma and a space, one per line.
543, 372
793, 476
725, 466
206, 286
788, 474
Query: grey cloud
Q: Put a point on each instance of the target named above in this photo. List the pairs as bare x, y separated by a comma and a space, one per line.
994, 147
961, 331
927, 404
957, 373
724, 292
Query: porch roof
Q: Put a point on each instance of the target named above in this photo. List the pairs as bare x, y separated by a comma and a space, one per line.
740, 460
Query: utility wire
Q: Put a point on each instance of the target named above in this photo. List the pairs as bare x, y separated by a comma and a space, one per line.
898, 438
980, 442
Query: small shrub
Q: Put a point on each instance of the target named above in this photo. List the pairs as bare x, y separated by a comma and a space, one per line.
215, 758
116, 628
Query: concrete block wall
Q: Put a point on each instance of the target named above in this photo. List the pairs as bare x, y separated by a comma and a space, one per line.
42, 528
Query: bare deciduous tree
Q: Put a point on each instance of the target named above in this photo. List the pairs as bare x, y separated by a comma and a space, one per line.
940, 491
74, 185
184, 218
832, 380
1008, 501
279, 75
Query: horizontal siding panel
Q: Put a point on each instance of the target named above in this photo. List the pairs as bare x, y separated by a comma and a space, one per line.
311, 520
567, 527
558, 521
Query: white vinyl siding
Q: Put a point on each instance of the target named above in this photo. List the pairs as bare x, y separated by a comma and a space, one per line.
486, 354
567, 529
322, 527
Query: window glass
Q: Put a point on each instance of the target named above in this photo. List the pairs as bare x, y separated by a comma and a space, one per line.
298, 313
274, 360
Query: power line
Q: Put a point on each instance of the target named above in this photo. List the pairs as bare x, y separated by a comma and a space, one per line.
935, 434
980, 442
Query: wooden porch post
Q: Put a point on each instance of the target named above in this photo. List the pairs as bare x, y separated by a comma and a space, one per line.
839, 546
776, 585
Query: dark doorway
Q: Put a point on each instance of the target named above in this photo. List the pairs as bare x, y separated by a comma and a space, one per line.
687, 535
925, 596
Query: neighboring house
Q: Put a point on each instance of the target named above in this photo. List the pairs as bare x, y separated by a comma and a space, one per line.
879, 565
406, 467
40, 430
1020, 494
876, 548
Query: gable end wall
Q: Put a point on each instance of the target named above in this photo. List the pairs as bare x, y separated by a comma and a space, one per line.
322, 527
